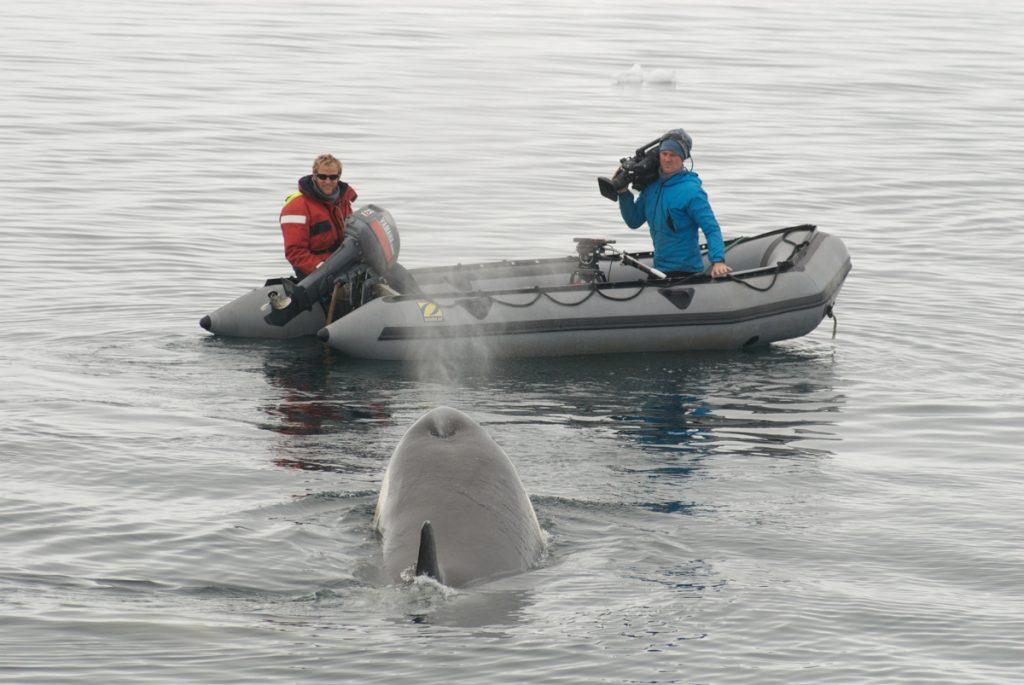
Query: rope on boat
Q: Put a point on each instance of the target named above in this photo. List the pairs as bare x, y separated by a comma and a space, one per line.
643, 286
835, 320
540, 292
577, 303
564, 304
765, 289
779, 267
514, 304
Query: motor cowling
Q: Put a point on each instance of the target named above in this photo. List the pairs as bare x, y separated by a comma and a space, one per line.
371, 242
377, 234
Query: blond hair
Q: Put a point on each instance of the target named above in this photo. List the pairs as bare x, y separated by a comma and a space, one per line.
326, 159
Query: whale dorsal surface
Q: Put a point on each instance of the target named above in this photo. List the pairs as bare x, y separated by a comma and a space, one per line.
452, 506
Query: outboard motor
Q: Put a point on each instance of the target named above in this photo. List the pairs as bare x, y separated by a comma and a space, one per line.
371, 242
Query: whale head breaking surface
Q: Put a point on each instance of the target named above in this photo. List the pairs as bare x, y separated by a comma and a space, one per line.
452, 506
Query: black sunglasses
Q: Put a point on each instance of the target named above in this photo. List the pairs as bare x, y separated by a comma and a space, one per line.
328, 177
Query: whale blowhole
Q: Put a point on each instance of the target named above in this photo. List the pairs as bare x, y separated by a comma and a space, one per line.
444, 429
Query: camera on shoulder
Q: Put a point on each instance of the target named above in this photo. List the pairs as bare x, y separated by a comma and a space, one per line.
640, 170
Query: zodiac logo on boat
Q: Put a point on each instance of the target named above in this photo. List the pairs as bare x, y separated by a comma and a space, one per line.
430, 311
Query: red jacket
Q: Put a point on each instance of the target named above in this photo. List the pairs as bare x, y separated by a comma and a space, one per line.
312, 227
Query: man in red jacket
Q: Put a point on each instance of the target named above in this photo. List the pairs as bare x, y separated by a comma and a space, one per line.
313, 219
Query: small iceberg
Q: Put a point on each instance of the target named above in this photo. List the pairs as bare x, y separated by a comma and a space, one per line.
660, 76
634, 74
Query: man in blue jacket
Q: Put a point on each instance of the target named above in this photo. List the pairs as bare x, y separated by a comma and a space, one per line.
673, 207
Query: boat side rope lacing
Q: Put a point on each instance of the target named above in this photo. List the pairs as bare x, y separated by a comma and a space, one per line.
775, 277
642, 285
780, 267
540, 293
563, 304
543, 293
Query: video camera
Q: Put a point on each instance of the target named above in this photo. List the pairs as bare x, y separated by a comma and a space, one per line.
641, 170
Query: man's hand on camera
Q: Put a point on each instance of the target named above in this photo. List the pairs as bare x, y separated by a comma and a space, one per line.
617, 178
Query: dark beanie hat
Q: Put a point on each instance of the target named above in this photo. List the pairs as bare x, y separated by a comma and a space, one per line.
672, 145
678, 141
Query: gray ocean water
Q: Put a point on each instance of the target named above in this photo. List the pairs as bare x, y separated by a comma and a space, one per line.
178, 508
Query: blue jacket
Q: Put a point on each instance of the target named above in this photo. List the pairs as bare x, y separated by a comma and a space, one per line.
673, 208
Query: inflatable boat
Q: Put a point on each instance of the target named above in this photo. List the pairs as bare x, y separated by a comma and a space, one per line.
598, 301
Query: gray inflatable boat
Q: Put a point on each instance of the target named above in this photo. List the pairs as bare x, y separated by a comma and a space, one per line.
598, 301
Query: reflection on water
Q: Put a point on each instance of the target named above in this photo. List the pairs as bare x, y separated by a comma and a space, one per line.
650, 424
321, 410
671, 420
307, 404
769, 403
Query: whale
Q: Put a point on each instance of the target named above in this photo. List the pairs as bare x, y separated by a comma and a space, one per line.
452, 506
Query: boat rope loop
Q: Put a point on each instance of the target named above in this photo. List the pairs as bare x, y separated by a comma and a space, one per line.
835, 320
540, 293
543, 293
643, 286
784, 265
775, 277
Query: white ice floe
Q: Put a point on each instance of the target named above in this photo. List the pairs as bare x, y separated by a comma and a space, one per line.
660, 76
634, 74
